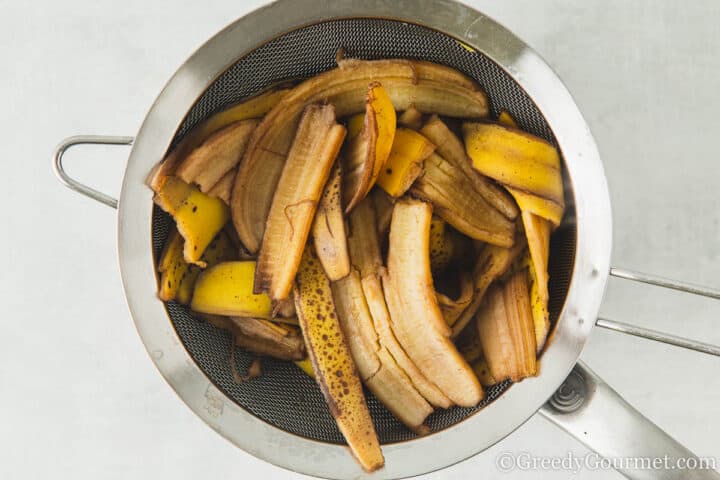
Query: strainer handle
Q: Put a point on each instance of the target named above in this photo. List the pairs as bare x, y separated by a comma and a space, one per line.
591, 411
654, 334
73, 184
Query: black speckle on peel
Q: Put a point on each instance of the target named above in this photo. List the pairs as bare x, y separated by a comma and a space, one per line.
194, 209
388, 171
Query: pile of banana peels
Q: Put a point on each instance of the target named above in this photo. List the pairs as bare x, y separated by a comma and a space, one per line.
375, 226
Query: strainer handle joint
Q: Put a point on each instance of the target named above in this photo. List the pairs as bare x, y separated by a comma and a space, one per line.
73, 184
593, 412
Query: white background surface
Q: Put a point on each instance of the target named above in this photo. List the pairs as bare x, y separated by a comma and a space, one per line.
80, 398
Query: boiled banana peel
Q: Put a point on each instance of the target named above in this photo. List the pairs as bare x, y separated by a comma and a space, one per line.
451, 148
364, 246
328, 230
429, 87
198, 217
223, 188
456, 200
368, 150
383, 204
332, 361
491, 264
411, 118
417, 320
217, 155
452, 308
506, 330
376, 366
295, 201
252, 108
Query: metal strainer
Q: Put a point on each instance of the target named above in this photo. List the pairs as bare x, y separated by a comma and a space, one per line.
281, 417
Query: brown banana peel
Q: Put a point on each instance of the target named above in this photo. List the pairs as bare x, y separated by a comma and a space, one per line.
451, 148
206, 165
456, 201
311, 157
328, 229
223, 188
429, 87
252, 108
506, 330
418, 322
452, 308
332, 361
492, 263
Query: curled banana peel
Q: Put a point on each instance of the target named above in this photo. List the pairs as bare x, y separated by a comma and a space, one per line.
417, 319
252, 108
365, 256
506, 330
516, 159
446, 246
198, 217
383, 204
405, 162
264, 337
223, 188
451, 148
227, 289
429, 87
537, 232
452, 308
332, 361
328, 230
217, 155
482, 370
491, 264
411, 118
456, 200
295, 201
177, 277
368, 150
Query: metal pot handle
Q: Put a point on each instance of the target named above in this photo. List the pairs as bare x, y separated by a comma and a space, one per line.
591, 411
653, 334
70, 182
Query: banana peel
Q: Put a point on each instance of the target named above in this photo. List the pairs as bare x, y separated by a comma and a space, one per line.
542, 207
220, 249
263, 337
198, 217
383, 204
452, 308
456, 200
411, 118
328, 229
404, 164
451, 148
304, 175
516, 159
417, 320
482, 370
172, 267
376, 366
254, 107
223, 188
368, 150
227, 289
216, 156
306, 366
506, 330
507, 120
364, 246
491, 264
429, 87
537, 232
332, 361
